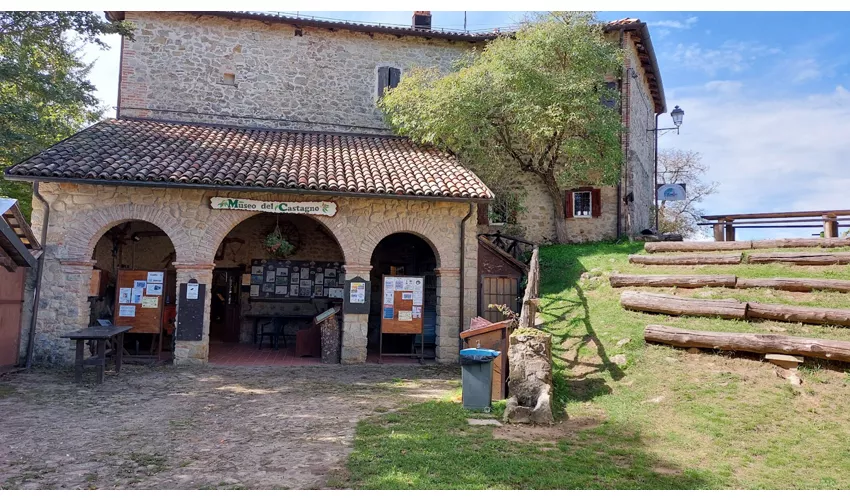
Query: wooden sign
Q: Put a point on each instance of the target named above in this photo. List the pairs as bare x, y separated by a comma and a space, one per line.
402, 304
324, 208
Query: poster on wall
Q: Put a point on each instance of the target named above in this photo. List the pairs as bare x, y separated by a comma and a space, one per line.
255, 290
358, 293
127, 311
125, 296
155, 276
150, 302
295, 279
154, 289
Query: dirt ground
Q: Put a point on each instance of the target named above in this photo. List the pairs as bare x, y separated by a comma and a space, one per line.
198, 428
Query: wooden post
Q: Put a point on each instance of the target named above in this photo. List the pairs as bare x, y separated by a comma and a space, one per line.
830, 226
718, 232
730, 231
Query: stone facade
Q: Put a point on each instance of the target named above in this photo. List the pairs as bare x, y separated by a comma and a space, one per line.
80, 214
537, 219
318, 80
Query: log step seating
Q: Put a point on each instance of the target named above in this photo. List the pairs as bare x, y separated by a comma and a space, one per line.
708, 246
732, 309
695, 259
728, 281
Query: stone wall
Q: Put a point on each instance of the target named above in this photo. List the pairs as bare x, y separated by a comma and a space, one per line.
80, 214
639, 116
320, 80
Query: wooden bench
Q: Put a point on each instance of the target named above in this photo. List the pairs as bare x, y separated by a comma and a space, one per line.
99, 335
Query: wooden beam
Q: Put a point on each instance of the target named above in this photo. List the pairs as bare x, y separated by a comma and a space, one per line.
686, 260
800, 259
795, 284
696, 246
776, 215
814, 348
680, 306
677, 280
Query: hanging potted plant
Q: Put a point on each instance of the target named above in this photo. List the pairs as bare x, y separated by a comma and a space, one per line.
277, 245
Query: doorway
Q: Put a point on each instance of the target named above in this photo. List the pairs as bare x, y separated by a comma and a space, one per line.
225, 305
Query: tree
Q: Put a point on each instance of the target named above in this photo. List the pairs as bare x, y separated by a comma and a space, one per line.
534, 100
683, 167
45, 95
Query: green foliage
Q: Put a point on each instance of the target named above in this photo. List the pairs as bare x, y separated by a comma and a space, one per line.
531, 101
45, 94
277, 245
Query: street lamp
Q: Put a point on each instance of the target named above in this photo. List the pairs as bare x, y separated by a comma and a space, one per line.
677, 114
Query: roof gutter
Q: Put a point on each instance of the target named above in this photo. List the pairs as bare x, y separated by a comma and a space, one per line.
39, 274
263, 189
463, 268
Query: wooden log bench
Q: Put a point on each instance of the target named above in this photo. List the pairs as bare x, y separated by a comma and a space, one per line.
728, 281
686, 260
99, 335
716, 246
800, 259
725, 225
764, 344
732, 309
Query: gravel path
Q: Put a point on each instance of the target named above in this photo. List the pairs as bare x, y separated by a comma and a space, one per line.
210, 427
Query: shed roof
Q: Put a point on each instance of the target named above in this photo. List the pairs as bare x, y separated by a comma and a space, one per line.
18, 245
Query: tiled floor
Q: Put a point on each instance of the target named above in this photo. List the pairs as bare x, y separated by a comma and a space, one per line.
232, 354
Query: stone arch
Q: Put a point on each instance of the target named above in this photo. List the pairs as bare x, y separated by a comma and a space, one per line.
93, 224
224, 222
421, 227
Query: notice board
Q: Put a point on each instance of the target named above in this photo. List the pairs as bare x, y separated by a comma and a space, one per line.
293, 279
139, 296
402, 304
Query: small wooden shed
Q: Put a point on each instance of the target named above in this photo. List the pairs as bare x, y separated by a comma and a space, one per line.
19, 252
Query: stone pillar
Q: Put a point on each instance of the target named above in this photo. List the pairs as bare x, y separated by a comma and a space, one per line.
191, 351
355, 327
63, 308
448, 315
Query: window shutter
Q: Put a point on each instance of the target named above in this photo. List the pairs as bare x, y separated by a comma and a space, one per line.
383, 79
394, 77
483, 213
595, 202
568, 204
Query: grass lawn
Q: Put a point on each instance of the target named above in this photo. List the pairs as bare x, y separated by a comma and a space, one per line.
666, 419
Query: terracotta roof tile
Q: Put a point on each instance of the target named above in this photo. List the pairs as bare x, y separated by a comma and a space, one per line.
214, 155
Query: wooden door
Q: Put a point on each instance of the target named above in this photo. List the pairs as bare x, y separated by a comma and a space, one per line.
498, 290
11, 302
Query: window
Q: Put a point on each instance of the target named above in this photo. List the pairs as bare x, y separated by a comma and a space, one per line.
609, 101
582, 204
388, 78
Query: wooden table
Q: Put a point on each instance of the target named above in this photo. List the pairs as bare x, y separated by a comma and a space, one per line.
282, 316
99, 334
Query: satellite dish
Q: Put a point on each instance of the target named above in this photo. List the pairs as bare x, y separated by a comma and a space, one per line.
671, 192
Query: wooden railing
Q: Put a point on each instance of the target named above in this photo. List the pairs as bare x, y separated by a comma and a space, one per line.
725, 225
515, 247
530, 300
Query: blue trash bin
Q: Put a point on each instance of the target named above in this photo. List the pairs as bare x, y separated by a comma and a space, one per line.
477, 377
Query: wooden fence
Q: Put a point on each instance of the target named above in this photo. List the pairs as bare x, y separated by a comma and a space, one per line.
530, 300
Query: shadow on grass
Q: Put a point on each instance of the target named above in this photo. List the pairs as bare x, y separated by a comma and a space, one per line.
431, 446
567, 316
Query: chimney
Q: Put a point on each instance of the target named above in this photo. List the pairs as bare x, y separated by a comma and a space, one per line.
422, 19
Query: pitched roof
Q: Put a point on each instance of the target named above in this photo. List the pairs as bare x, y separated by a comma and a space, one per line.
392, 29
646, 54
198, 155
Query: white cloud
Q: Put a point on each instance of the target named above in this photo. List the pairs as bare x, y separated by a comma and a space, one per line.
803, 70
674, 24
732, 56
771, 154
723, 86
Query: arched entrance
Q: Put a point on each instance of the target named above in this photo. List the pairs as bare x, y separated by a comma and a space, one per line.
266, 303
134, 284
403, 254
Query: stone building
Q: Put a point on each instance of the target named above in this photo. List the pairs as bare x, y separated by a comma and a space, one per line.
280, 113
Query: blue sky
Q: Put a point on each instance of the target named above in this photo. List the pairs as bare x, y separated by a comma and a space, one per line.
766, 98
